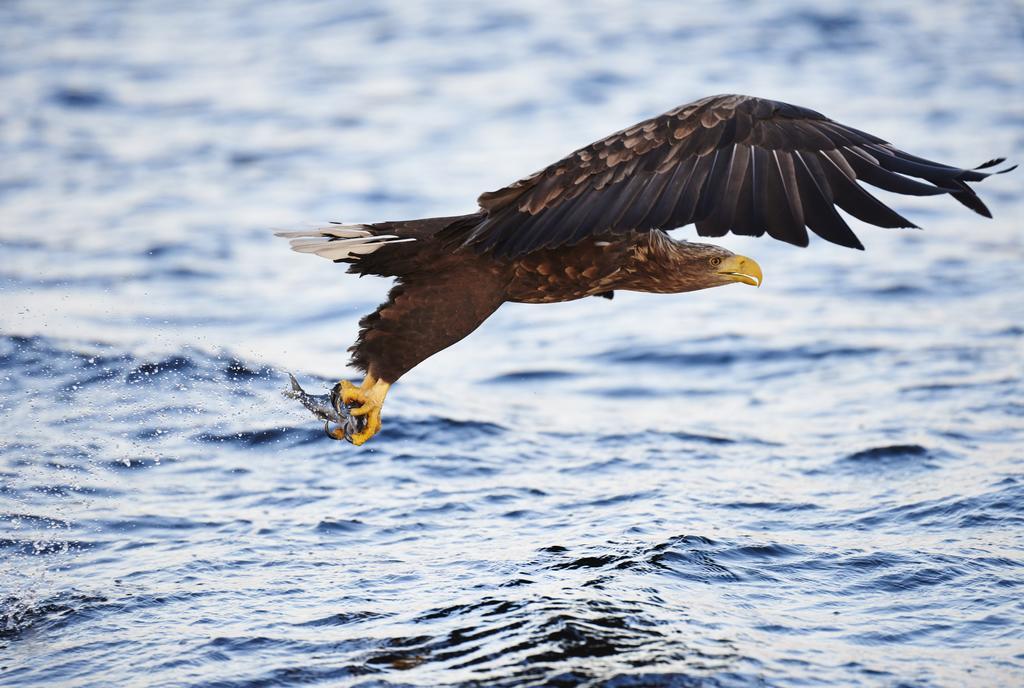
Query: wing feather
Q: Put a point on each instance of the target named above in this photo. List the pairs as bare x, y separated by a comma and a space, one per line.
686, 206
713, 193
854, 199
820, 213
783, 221
726, 163
750, 215
719, 210
787, 173
661, 211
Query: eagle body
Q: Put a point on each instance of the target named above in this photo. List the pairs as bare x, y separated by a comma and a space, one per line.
595, 222
443, 294
650, 262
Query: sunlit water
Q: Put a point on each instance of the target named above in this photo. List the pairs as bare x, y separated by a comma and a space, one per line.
817, 482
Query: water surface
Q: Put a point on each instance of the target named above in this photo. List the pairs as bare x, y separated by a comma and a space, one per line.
818, 482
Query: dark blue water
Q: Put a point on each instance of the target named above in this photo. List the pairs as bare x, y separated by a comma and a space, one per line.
820, 482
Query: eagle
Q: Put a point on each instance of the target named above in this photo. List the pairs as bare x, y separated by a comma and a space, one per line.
595, 222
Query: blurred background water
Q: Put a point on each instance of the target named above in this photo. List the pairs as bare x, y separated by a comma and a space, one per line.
818, 482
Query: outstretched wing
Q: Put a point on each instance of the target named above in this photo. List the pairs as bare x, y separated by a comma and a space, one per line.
727, 163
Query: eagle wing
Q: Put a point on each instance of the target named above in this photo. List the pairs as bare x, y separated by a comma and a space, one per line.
426, 311
727, 163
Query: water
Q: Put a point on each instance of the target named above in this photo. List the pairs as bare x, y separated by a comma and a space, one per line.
818, 482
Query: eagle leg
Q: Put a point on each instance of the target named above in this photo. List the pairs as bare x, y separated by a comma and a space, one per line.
366, 400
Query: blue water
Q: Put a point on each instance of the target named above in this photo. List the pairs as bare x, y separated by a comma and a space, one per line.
820, 482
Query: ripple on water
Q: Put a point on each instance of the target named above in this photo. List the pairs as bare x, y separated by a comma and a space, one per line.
18, 618
721, 358
891, 458
423, 430
253, 438
340, 526
530, 377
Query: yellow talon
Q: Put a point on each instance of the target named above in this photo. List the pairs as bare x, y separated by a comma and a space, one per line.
333, 433
365, 400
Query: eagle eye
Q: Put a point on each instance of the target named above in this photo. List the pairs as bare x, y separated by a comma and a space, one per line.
716, 261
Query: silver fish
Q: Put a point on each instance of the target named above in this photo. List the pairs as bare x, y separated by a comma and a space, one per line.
329, 409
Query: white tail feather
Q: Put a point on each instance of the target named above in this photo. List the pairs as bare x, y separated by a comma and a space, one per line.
339, 242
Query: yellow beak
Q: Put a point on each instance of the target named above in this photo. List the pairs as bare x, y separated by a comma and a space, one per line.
741, 269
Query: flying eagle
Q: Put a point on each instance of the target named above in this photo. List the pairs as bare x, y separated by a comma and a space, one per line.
595, 222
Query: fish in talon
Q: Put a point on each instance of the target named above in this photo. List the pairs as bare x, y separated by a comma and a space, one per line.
330, 409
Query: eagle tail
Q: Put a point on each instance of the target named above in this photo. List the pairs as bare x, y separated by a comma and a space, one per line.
340, 242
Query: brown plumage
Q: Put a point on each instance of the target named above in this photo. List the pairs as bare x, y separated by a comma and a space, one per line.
592, 223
